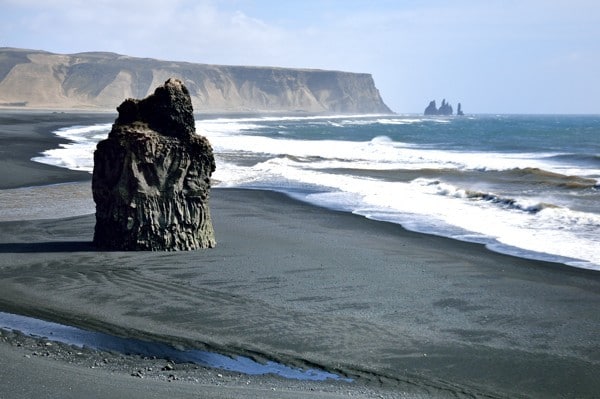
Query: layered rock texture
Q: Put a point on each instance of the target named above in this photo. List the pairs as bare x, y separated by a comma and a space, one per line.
151, 178
37, 79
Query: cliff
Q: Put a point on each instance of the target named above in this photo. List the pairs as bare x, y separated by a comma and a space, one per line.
38, 79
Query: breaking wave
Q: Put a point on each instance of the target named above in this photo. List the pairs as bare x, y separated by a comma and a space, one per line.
504, 202
530, 202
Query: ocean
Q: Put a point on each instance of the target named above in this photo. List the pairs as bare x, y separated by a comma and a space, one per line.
523, 185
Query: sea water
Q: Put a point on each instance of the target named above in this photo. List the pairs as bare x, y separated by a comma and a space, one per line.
523, 185
106, 342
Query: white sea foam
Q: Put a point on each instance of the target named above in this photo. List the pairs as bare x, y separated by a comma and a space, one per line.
377, 154
78, 154
523, 226
560, 232
299, 118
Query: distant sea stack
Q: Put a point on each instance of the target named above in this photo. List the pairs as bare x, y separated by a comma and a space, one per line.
151, 178
445, 109
38, 79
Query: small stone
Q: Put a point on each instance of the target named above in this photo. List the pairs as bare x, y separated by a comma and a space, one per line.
168, 367
48, 344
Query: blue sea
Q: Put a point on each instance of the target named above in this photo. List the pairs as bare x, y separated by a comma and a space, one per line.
523, 185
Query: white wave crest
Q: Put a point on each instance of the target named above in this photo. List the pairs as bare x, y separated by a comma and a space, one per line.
78, 154
294, 165
524, 224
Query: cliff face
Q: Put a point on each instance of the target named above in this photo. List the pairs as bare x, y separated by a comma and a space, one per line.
37, 79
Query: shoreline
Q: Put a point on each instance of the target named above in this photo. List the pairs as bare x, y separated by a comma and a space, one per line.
73, 372
406, 314
24, 135
210, 112
46, 176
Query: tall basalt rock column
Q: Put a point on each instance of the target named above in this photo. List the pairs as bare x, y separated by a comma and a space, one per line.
151, 180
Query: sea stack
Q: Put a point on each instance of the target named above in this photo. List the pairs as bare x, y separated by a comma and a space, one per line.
445, 108
431, 109
151, 179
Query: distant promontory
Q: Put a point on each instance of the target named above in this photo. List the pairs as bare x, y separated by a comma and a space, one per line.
100, 81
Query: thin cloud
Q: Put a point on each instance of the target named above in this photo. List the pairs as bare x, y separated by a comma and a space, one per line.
482, 53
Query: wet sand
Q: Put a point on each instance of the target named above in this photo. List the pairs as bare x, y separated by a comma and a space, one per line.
403, 314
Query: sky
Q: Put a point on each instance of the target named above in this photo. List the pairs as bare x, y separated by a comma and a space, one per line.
493, 56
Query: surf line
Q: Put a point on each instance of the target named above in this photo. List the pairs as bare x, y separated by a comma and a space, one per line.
105, 342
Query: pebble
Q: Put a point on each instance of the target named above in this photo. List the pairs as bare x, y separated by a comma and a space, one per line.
138, 374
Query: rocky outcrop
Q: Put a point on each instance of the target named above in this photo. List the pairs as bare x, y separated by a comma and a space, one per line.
151, 178
431, 108
445, 108
39, 79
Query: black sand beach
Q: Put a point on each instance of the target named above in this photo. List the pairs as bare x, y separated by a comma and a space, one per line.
402, 314
24, 135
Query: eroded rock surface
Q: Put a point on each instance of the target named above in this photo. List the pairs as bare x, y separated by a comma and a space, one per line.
151, 179
38, 79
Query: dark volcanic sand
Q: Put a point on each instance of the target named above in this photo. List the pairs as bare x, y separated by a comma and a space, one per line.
397, 311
